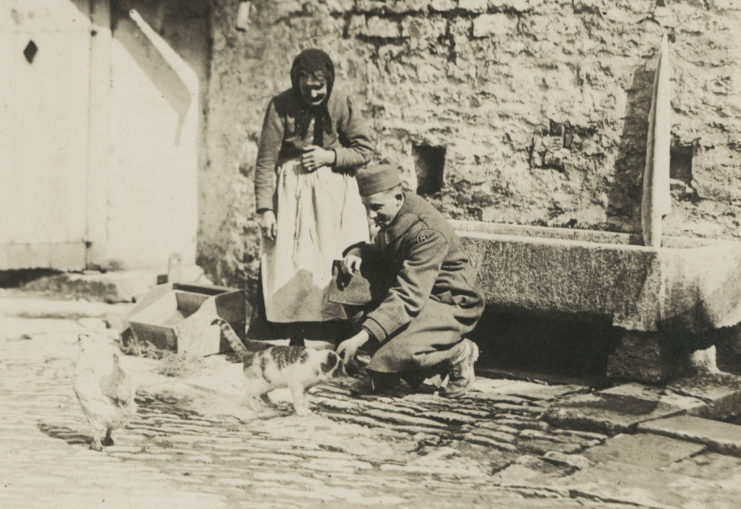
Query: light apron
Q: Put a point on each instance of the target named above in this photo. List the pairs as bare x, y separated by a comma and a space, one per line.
318, 214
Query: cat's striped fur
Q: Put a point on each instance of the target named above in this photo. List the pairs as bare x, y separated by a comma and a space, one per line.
268, 367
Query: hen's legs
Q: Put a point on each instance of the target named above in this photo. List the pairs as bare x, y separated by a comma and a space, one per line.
95, 444
108, 440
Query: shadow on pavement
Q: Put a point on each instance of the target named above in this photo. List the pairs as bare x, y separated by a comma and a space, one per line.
69, 435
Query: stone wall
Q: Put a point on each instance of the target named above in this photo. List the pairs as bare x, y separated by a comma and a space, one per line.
517, 111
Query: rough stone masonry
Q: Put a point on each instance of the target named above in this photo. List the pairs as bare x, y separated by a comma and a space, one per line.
516, 111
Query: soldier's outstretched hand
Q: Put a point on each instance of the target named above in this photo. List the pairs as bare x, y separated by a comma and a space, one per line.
351, 262
348, 349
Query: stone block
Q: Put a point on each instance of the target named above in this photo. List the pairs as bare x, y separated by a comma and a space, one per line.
443, 5
340, 6
473, 5
493, 25
369, 6
356, 25
381, 27
515, 5
284, 8
650, 357
393, 6
423, 27
401, 6
243, 15
590, 5
718, 436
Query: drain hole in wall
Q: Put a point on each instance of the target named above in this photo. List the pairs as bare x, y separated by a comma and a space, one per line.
429, 162
680, 163
30, 51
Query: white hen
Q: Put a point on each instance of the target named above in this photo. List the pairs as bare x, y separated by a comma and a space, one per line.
105, 391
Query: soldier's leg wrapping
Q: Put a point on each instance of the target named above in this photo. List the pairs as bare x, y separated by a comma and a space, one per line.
432, 338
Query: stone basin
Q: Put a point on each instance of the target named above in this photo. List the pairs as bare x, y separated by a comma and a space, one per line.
689, 285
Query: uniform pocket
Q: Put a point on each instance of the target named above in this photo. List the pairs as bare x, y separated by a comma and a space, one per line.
445, 298
461, 300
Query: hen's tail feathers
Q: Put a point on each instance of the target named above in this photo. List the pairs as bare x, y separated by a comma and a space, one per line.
120, 385
231, 336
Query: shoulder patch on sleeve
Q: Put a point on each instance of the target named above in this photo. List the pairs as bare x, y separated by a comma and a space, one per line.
424, 236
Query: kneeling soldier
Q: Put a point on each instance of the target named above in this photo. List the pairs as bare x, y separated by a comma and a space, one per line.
430, 299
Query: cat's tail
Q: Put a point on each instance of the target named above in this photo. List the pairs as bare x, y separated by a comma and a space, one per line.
231, 336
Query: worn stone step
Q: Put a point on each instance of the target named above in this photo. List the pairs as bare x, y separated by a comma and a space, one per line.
618, 409
642, 449
717, 436
721, 393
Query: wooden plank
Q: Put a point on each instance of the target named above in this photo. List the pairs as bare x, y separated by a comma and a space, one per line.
656, 202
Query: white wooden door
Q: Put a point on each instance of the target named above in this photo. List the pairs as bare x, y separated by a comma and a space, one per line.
44, 132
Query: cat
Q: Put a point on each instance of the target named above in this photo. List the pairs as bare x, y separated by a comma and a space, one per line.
268, 367
105, 391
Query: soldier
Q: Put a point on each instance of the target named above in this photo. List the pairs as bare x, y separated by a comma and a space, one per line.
430, 301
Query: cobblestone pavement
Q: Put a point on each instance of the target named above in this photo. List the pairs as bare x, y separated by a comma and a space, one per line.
486, 450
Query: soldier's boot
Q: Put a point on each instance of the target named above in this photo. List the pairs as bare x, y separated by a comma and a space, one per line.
374, 382
384, 383
413, 380
462, 373
433, 376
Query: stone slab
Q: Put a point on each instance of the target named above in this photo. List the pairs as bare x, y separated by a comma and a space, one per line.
112, 286
656, 394
644, 449
539, 377
710, 466
721, 393
718, 436
530, 390
647, 487
123, 286
24, 306
618, 409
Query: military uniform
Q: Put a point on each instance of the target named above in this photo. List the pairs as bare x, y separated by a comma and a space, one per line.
432, 300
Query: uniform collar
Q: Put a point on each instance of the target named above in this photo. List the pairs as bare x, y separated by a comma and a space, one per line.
402, 222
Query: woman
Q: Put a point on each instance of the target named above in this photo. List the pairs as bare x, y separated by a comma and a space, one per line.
309, 209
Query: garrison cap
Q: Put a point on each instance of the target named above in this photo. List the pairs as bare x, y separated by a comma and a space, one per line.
375, 179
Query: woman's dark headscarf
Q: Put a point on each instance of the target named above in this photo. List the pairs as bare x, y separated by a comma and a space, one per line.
309, 61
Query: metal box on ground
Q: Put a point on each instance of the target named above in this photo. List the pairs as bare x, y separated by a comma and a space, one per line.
178, 317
